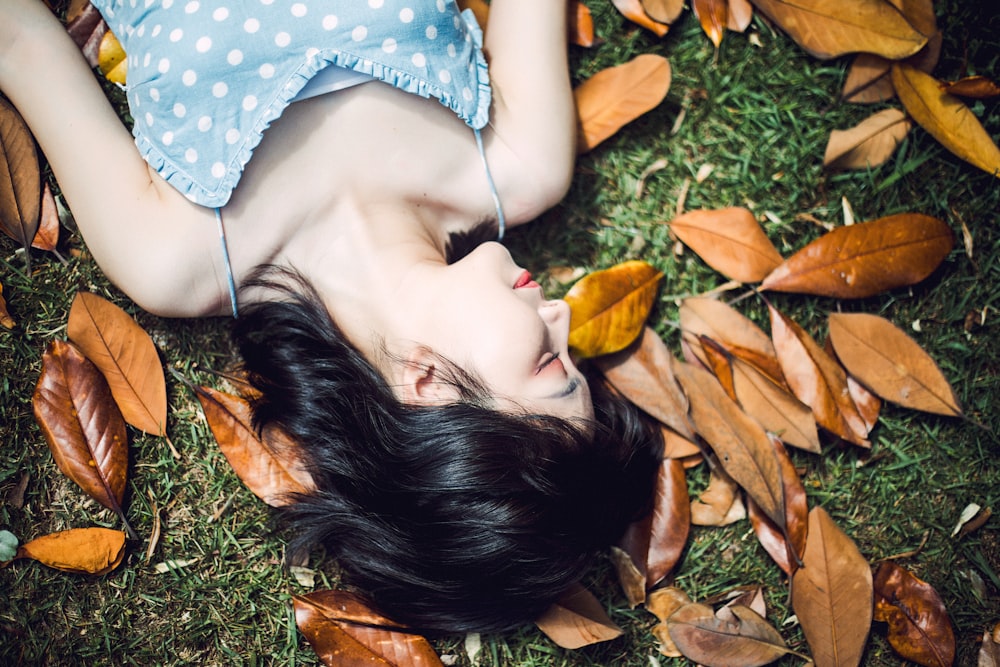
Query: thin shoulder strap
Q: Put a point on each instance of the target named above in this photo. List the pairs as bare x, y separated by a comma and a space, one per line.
501, 223
225, 258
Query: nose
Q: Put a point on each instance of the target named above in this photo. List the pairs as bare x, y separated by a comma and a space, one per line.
554, 312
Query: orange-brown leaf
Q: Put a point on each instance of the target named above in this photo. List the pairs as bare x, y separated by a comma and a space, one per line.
734, 636
977, 87
634, 11
20, 178
817, 380
919, 627
869, 143
784, 543
269, 465
857, 261
776, 408
730, 240
718, 361
720, 503
609, 308
616, 96
664, 11
832, 594
577, 619
78, 550
740, 15
83, 426
47, 236
346, 632
126, 356
702, 316
581, 24
662, 603
713, 16
868, 80
740, 443
891, 364
828, 29
946, 118
642, 373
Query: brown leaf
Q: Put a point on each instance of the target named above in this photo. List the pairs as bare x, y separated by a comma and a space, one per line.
634, 11
730, 240
577, 619
720, 503
868, 80
616, 96
581, 24
989, 650
270, 465
6, 321
832, 594
740, 15
740, 443
861, 260
662, 603
127, 357
664, 11
702, 316
609, 308
87, 28
20, 178
676, 446
891, 364
976, 87
828, 29
919, 627
642, 373
714, 16
869, 405
718, 362
655, 542
83, 426
946, 118
817, 380
345, 632
47, 236
869, 143
787, 542
736, 637
774, 407
78, 550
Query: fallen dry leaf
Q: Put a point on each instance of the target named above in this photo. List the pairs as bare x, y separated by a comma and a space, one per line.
577, 619
616, 96
127, 357
609, 308
946, 118
787, 542
919, 627
868, 80
734, 636
829, 29
832, 594
740, 15
730, 240
774, 407
634, 11
864, 259
976, 87
6, 321
720, 503
269, 465
713, 16
47, 236
111, 59
891, 364
86, 27
989, 650
581, 24
869, 143
663, 11
84, 428
78, 550
20, 178
662, 603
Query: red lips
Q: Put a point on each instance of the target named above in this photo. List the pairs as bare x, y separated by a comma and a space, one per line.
524, 280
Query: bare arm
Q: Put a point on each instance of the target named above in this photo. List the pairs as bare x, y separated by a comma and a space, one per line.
133, 222
534, 116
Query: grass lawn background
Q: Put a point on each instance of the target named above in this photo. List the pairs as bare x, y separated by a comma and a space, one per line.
759, 112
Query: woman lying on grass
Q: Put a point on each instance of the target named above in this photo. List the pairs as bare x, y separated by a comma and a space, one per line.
465, 469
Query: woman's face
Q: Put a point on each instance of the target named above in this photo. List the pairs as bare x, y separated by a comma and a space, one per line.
486, 314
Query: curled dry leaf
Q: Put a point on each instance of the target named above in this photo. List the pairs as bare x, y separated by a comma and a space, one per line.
730, 240
739, 442
270, 465
616, 96
864, 259
20, 178
345, 632
577, 619
642, 373
78, 550
946, 118
111, 59
47, 236
891, 364
609, 308
581, 24
787, 542
868, 144
634, 11
776, 408
976, 87
817, 380
735, 636
662, 603
6, 321
83, 426
832, 594
713, 16
919, 627
829, 29
126, 356
720, 503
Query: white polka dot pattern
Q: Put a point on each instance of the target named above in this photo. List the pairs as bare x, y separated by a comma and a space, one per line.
211, 75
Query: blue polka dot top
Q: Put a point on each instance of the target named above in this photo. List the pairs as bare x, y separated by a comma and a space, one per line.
207, 77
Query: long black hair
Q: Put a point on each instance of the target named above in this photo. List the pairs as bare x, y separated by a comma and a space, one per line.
451, 518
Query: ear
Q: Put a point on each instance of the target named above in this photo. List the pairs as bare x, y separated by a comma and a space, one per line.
420, 380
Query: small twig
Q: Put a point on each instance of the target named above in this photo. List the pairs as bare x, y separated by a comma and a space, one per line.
911, 553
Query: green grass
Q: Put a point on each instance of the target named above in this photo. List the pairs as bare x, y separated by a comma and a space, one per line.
760, 115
